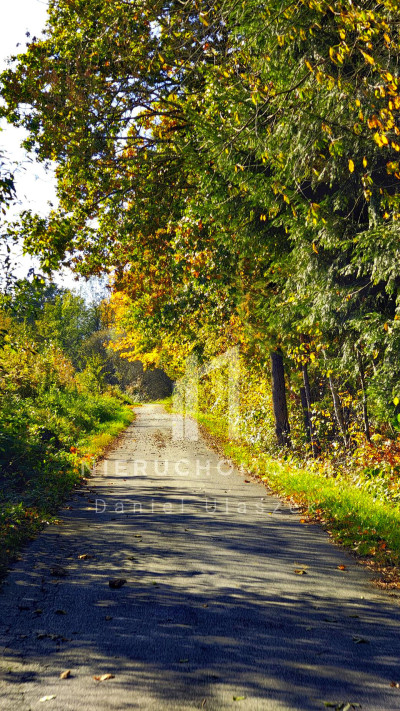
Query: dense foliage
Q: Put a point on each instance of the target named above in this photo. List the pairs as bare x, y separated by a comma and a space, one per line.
53, 418
235, 167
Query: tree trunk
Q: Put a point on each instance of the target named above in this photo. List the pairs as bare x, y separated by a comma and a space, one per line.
364, 395
338, 410
282, 428
306, 414
315, 446
337, 406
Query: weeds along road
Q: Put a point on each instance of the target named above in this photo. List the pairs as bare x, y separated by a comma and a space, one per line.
229, 601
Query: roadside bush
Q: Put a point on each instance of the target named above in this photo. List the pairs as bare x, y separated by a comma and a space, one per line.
50, 422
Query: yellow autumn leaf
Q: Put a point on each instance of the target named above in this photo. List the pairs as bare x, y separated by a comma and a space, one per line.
374, 122
365, 162
368, 57
351, 166
380, 139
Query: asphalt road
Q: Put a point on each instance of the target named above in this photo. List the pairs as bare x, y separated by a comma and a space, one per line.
212, 615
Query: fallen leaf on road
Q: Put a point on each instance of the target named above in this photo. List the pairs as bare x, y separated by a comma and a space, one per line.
84, 556
395, 684
342, 567
58, 571
300, 571
360, 640
65, 674
104, 677
108, 617
47, 698
117, 583
239, 698
338, 706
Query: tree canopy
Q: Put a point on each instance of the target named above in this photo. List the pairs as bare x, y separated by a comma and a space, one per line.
234, 167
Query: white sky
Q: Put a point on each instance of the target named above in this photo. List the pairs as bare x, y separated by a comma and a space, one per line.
35, 187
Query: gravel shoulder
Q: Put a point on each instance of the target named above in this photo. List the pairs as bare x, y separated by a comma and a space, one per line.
229, 601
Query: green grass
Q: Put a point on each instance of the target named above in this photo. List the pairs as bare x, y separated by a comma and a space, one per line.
31, 497
166, 401
98, 441
369, 527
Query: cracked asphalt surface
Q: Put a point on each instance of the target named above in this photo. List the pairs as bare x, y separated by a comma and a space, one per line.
212, 615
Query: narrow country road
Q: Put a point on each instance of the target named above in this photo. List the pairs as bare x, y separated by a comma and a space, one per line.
212, 615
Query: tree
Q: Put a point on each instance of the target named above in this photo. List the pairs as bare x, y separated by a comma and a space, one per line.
7, 195
68, 322
26, 298
240, 161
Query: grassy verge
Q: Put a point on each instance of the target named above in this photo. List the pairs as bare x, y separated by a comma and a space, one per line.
31, 497
368, 527
96, 444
